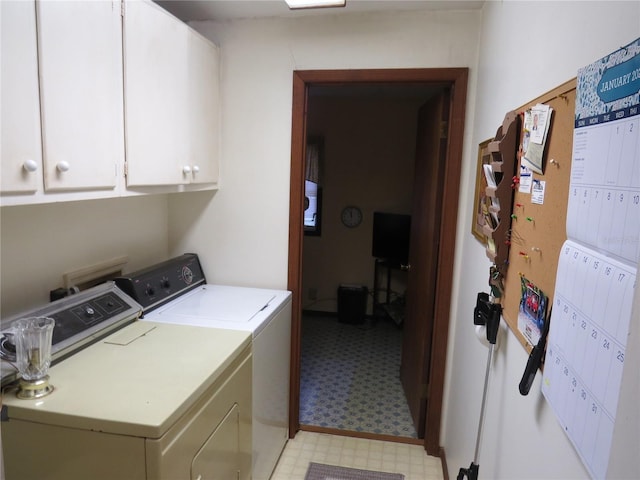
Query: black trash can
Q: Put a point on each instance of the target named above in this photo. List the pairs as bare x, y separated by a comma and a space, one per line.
352, 304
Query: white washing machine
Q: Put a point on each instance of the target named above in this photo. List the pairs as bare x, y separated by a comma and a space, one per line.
176, 292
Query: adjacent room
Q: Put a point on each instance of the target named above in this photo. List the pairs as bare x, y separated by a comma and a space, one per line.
366, 137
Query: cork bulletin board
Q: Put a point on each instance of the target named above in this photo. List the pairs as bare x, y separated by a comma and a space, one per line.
538, 231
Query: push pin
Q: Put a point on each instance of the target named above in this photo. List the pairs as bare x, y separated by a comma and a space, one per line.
514, 216
519, 205
536, 249
524, 255
529, 219
553, 161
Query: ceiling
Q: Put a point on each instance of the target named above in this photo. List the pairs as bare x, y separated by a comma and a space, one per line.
221, 10
189, 10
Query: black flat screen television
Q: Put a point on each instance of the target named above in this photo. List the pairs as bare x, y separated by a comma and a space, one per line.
391, 232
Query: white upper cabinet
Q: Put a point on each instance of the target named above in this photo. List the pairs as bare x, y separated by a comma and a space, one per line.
171, 100
81, 93
155, 67
68, 93
21, 148
204, 109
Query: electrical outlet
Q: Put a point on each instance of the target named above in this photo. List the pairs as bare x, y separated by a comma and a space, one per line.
313, 294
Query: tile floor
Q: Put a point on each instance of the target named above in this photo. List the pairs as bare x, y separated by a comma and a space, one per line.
350, 377
409, 460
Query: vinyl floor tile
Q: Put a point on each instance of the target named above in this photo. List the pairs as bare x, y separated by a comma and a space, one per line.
409, 460
350, 377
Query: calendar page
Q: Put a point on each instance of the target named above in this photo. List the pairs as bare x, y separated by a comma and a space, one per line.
604, 197
597, 268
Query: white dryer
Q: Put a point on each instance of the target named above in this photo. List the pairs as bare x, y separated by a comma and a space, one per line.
176, 292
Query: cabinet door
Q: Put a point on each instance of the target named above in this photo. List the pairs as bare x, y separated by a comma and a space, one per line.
156, 96
204, 109
80, 56
21, 150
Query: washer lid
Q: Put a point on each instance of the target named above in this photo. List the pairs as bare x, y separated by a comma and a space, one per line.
220, 303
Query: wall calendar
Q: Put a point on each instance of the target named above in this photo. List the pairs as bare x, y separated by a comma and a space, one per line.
597, 267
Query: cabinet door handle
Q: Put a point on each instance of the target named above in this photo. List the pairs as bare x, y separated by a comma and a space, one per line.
196, 169
63, 166
405, 268
30, 165
186, 169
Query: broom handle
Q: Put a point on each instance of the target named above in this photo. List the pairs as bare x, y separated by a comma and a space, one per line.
484, 401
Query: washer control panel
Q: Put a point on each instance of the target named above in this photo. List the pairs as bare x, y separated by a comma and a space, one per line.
156, 285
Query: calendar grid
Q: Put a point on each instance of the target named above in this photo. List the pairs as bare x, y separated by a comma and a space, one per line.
587, 342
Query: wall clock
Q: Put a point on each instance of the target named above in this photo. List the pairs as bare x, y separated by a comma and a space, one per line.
351, 216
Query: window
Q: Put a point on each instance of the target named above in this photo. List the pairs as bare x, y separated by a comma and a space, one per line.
312, 187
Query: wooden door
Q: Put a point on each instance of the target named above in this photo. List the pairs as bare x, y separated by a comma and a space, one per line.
426, 217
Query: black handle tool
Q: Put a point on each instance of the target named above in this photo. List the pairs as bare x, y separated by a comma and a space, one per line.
535, 359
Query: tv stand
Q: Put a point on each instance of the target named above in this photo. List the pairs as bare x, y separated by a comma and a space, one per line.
393, 309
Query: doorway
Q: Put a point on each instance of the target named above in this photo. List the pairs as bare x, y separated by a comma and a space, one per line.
453, 79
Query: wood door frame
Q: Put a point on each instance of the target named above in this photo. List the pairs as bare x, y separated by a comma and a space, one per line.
457, 79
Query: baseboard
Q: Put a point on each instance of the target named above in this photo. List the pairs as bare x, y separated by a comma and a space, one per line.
365, 435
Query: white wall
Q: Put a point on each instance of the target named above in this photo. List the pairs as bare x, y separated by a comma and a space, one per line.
527, 48
242, 235
41, 242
